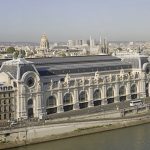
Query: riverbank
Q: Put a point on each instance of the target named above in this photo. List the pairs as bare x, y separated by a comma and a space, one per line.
33, 135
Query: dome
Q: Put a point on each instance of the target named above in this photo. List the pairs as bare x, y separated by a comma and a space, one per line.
44, 44
44, 38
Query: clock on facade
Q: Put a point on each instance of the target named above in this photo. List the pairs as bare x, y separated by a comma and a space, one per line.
30, 82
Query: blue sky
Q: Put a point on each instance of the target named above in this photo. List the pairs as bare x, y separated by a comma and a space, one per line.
27, 20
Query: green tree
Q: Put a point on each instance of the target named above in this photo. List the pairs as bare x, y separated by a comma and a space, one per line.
23, 53
10, 50
16, 53
119, 48
63, 54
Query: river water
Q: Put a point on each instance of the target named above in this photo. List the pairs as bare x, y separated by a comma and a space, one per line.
132, 138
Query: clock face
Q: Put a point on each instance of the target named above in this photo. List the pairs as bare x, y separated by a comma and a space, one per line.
30, 81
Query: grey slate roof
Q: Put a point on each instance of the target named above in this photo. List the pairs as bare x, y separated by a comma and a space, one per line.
72, 59
64, 65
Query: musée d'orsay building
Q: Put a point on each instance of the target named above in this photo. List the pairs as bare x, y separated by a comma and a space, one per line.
35, 87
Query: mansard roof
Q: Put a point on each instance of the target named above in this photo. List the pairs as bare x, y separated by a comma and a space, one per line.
73, 59
63, 65
17, 67
137, 61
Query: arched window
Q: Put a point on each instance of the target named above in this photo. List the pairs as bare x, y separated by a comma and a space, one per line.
51, 101
122, 91
67, 98
110, 92
30, 102
97, 94
82, 96
134, 88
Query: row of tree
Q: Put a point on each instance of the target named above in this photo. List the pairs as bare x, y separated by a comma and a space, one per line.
11, 50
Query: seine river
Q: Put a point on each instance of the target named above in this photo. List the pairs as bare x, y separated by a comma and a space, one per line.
133, 138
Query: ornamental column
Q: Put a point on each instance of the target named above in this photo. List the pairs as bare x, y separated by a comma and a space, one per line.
90, 97
116, 93
128, 91
60, 102
104, 98
76, 100
142, 86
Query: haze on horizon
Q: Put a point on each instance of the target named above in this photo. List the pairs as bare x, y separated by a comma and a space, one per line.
60, 20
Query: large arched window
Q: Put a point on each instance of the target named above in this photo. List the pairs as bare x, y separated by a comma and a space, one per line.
134, 88
51, 101
97, 94
67, 98
82, 96
122, 90
110, 92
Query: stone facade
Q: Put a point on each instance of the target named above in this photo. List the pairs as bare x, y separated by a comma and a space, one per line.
43, 88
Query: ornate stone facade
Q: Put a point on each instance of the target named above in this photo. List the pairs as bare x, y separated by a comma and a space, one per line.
54, 85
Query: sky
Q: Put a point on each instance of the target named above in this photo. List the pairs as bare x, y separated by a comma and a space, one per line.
61, 20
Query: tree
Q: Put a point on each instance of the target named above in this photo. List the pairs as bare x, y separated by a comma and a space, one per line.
16, 53
23, 53
63, 54
10, 50
119, 48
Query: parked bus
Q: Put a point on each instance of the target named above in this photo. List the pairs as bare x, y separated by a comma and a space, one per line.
136, 103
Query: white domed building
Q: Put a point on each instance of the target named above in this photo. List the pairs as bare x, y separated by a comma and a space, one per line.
44, 44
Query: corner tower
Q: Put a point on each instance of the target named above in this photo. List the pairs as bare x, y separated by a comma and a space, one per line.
26, 81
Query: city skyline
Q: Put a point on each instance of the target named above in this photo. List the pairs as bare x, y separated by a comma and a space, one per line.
67, 19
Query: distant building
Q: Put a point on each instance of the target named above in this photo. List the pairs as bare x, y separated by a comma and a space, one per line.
71, 43
44, 43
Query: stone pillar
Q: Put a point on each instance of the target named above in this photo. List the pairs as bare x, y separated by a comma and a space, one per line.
41, 109
76, 100
22, 102
142, 86
128, 91
139, 89
116, 93
90, 97
23, 110
104, 98
60, 102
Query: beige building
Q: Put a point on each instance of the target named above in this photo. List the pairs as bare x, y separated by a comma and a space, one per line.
54, 85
